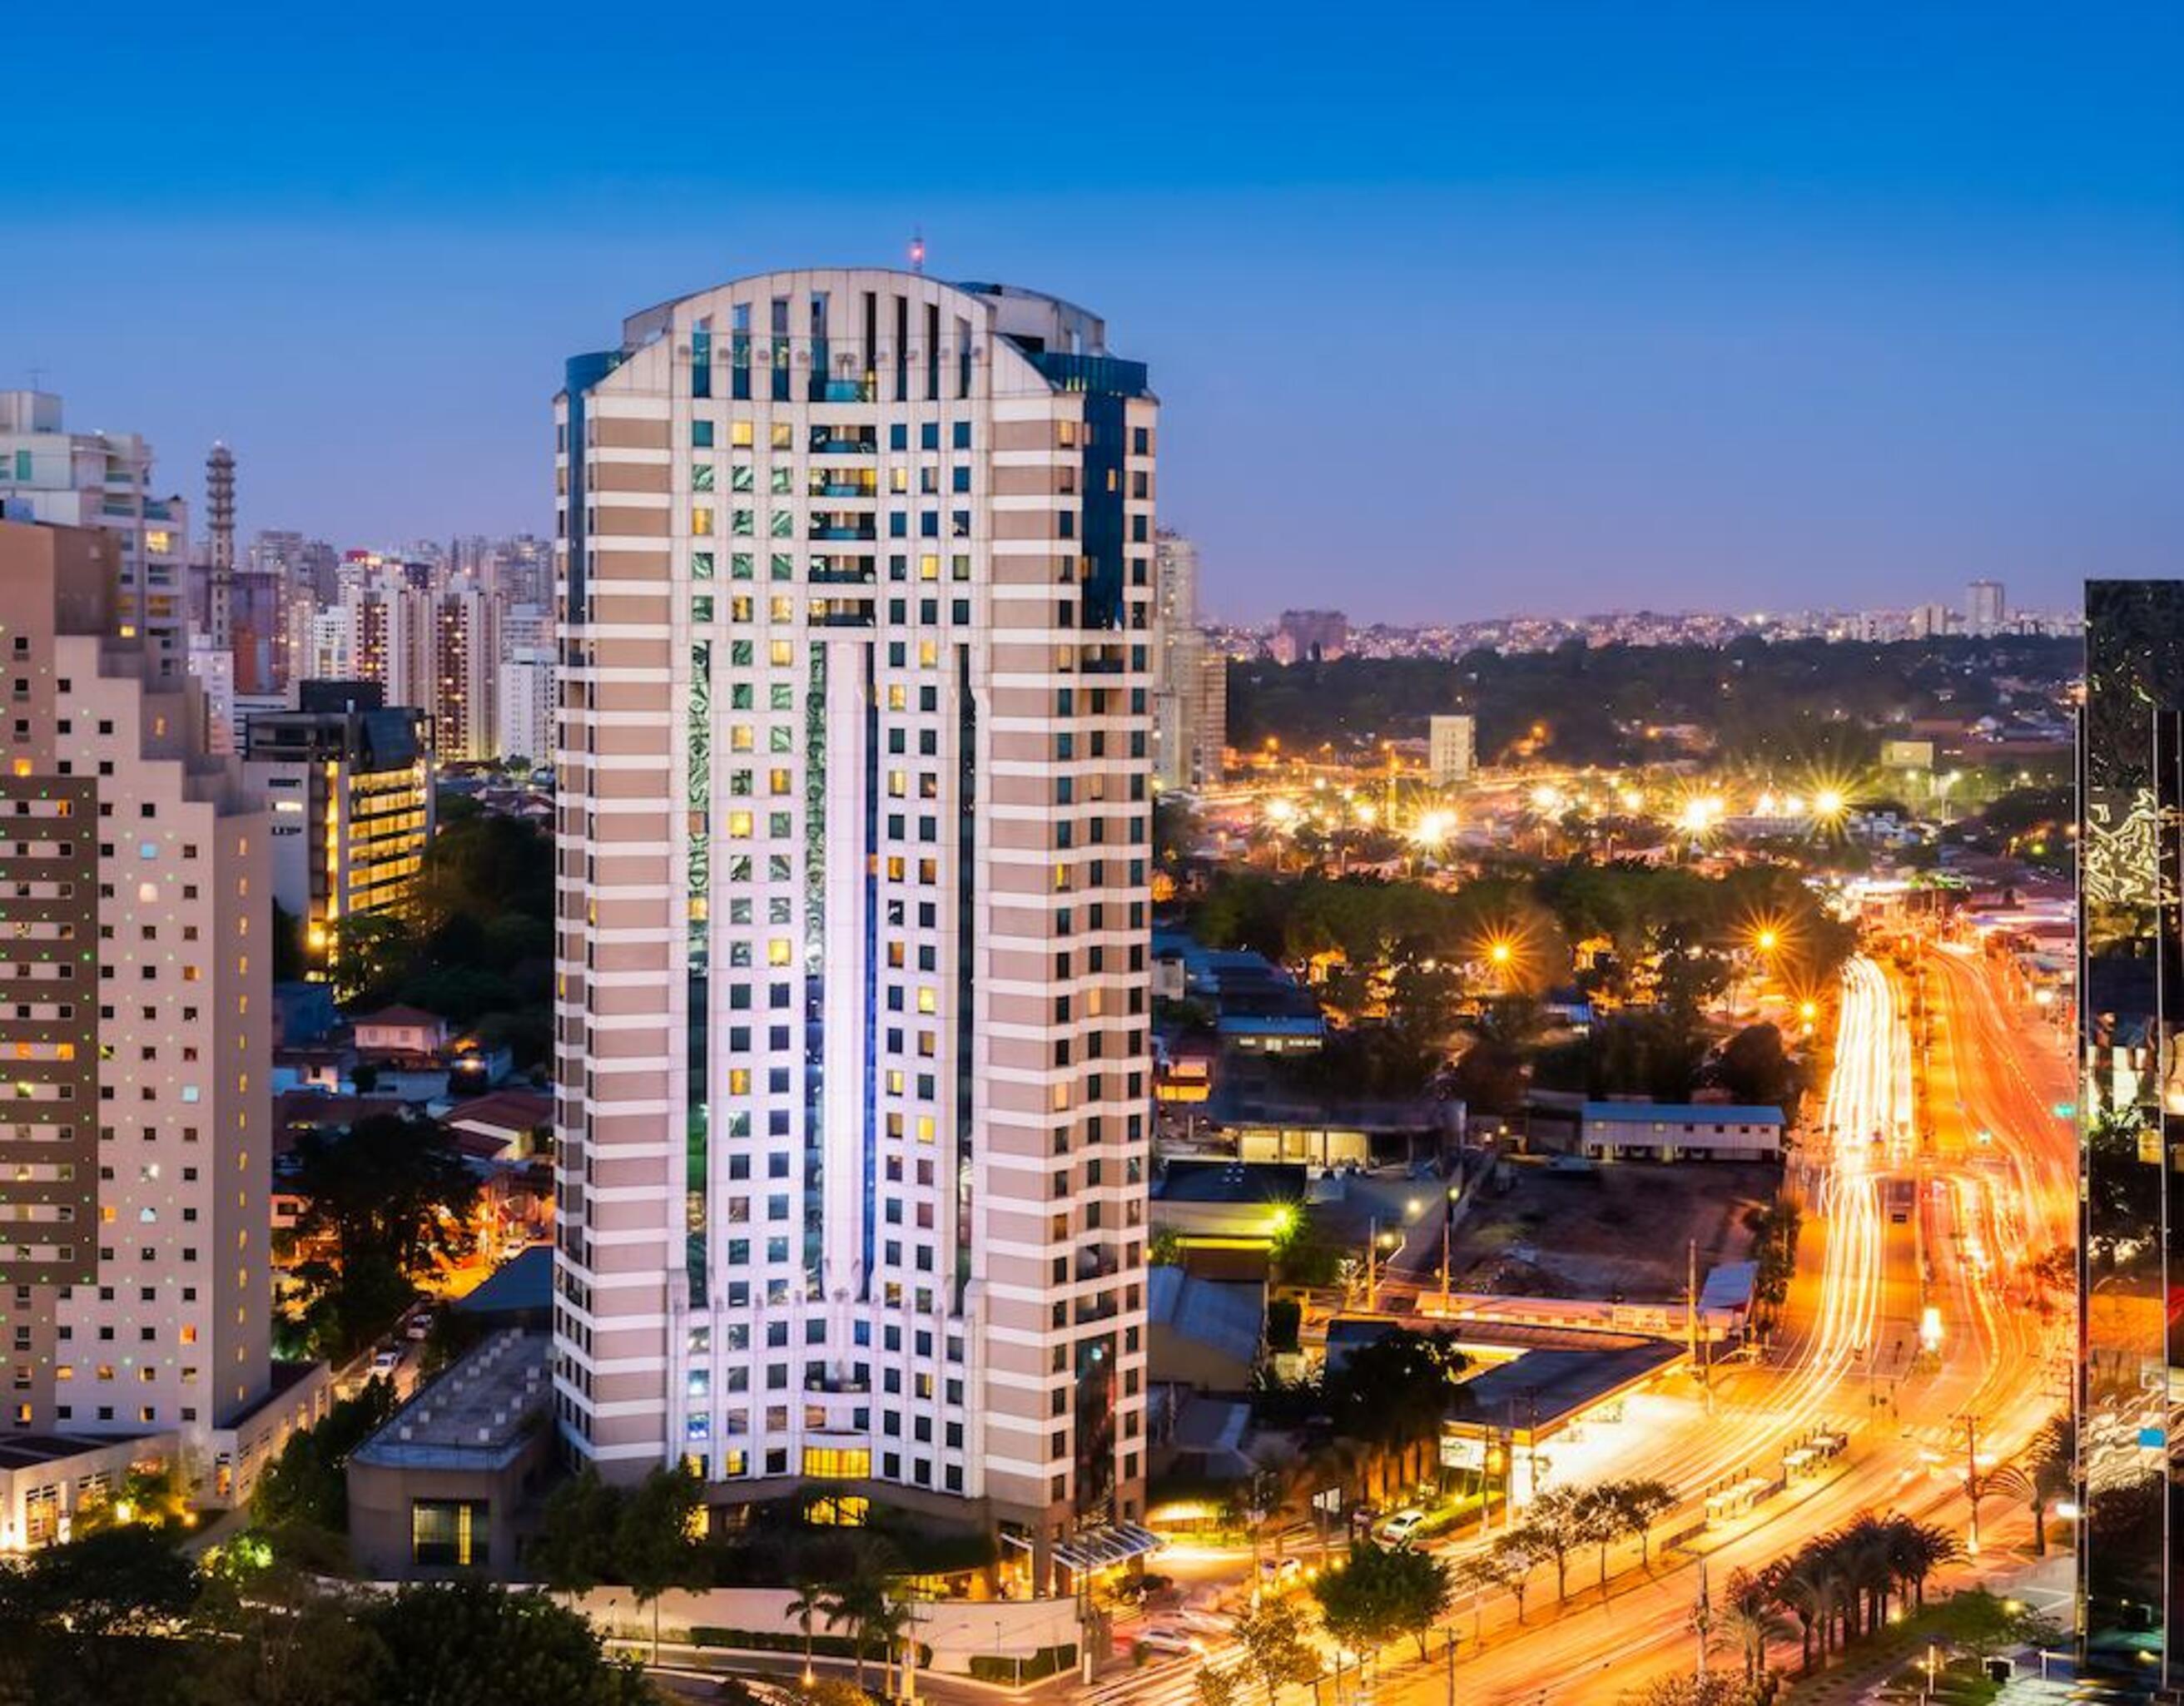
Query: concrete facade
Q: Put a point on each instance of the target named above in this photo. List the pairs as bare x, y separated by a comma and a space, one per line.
857, 633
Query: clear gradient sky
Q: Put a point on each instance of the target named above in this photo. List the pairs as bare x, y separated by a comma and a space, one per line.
1454, 310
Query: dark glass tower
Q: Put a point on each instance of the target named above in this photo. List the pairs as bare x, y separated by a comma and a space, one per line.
2132, 1007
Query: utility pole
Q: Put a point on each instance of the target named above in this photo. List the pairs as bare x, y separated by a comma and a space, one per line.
1447, 1218
1372, 1260
1691, 1323
1972, 1477
1449, 1651
1702, 1623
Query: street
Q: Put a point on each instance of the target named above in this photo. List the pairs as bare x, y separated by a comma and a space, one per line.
1912, 1324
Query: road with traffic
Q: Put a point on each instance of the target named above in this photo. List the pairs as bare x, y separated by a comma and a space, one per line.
1937, 1174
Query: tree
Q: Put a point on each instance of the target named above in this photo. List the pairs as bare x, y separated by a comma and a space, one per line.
809, 1600
1597, 1517
2051, 1472
1275, 1651
274, 1637
366, 948
1642, 1503
470, 1640
1748, 1622
1516, 1554
573, 1551
1218, 1687
1914, 1550
1355, 1605
1557, 1520
653, 1550
96, 1619
306, 1485
1711, 1688
1983, 1625
394, 1196
1394, 1392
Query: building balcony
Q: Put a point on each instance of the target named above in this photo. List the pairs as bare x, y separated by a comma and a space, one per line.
826, 443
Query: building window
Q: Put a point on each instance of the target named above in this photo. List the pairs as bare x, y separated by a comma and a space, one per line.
445, 1532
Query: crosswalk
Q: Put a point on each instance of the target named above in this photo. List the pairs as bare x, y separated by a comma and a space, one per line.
1162, 1682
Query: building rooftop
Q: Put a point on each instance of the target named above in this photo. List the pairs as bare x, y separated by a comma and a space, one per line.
398, 1015
30, 1450
1230, 1181
1223, 1314
476, 1415
524, 1284
1684, 1112
1541, 1389
510, 1113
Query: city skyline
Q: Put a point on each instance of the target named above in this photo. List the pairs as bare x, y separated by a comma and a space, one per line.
1706, 326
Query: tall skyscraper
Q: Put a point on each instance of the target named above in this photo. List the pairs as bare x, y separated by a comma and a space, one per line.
856, 589
2131, 945
1984, 611
104, 480
133, 895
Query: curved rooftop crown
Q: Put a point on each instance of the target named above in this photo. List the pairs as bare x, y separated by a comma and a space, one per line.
1031, 317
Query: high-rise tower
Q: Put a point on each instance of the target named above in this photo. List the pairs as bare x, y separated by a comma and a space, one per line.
134, 1174
856, 634
219, 534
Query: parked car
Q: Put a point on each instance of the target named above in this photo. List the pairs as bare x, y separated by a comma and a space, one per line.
1400, 1528
418, 1326
386, 1361
1280, 1572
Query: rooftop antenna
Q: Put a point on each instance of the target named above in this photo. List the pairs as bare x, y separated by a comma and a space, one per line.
917, 249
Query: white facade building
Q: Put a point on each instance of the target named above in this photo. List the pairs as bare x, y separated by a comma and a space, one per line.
525, 713
104, 480
1451, 749
856, 583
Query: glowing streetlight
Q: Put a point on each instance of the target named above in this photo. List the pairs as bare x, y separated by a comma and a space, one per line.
1828, 802
1766, 940
1500, 952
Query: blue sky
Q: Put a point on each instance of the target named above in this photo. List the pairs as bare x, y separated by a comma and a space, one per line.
1454, 310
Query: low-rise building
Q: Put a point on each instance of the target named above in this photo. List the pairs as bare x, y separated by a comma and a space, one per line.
441, 1489
1680, 1131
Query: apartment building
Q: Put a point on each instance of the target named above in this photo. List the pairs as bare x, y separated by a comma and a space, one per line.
103, 480
134, 893
857, 633
349, 783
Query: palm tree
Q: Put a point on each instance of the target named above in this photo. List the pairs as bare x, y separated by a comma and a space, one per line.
1865, 1553
1748, 1621
887, 1624
811, 1600
1916, 1550
2054, 1472
1802, 1586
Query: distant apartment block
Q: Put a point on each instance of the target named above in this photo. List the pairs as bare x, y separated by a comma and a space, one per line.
349, 783
1310, 636
103, 480
1451, 749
